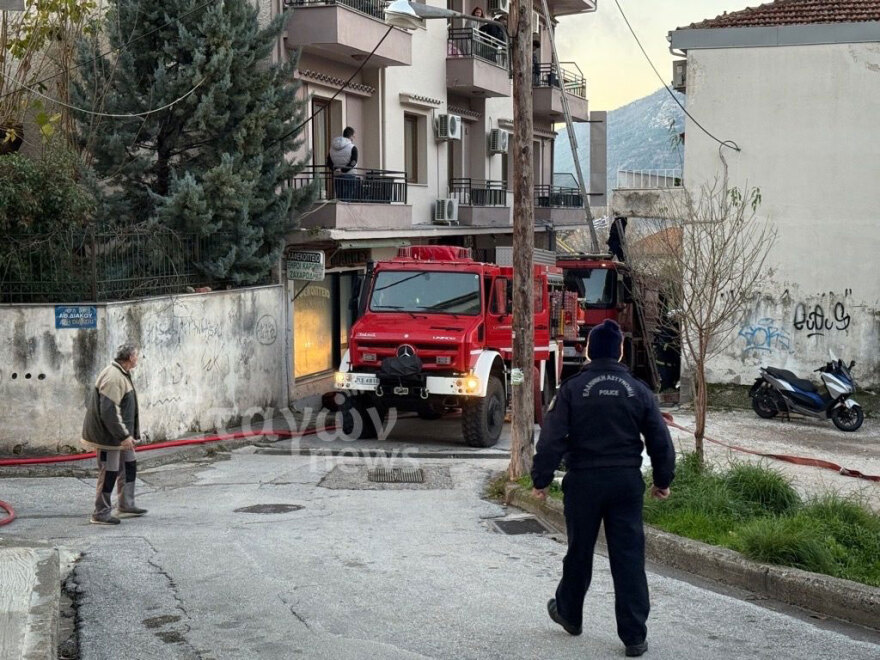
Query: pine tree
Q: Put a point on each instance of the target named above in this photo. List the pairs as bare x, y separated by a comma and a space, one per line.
214, 162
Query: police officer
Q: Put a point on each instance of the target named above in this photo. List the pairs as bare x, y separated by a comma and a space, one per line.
595, 423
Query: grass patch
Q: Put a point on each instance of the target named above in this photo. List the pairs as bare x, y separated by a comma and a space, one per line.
754, 510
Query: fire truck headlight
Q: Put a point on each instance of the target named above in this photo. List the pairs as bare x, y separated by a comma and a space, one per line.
472, 383
340, 377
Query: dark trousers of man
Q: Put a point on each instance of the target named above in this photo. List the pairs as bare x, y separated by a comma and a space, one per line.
613, 496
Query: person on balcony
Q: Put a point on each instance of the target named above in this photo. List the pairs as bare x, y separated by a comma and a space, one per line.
490, 51
341, 159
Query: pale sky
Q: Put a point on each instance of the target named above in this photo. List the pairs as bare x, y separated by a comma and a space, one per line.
602, 46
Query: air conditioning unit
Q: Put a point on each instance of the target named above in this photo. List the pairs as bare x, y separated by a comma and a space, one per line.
499, 7
448, 127
679, 75
536, 24
498, 141
446, 211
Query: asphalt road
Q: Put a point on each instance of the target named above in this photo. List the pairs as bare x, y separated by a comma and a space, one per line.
360, 571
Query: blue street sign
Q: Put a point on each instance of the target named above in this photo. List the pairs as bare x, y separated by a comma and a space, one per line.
76, 317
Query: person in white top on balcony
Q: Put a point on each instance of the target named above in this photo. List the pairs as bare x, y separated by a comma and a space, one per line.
343, 157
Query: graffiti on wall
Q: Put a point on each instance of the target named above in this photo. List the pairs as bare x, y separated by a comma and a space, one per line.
817, 321
764, 335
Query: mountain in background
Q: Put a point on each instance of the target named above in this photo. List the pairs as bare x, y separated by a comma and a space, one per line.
639, 138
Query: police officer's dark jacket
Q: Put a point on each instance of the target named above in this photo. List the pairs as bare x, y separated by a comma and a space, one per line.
596, 421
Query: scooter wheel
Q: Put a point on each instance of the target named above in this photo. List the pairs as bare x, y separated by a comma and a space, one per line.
848, 419
764, 404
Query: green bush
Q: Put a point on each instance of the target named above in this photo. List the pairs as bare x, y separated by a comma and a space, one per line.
762, 488
785, 541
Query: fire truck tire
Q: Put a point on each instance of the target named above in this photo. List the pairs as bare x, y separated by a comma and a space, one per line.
360, 409
483, 419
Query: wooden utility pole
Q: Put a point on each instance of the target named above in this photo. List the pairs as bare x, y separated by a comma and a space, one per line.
523, 242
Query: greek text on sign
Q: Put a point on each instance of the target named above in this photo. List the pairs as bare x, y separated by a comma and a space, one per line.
76, 316
306, 265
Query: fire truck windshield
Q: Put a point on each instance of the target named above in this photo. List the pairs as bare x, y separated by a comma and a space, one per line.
595, 286
426, 291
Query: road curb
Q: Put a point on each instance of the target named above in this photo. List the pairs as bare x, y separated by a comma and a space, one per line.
825, 595
32, 578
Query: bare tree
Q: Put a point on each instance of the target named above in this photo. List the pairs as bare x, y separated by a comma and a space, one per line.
709, 254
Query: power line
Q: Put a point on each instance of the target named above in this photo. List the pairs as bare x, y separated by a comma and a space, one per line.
724, 143
117, 49
115, 116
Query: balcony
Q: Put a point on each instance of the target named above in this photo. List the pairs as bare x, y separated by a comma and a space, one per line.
569, 7
347, 31
559, 204
477, 64
548, 84
647, 193
481, 203
359, 199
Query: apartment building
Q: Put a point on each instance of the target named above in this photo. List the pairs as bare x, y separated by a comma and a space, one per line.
432, 109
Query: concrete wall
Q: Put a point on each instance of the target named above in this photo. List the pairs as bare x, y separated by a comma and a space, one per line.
801, 116
205, 360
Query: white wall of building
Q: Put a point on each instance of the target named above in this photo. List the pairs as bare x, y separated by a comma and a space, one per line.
806, 120
207, 360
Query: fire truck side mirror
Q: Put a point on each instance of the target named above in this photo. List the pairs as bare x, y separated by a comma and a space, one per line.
624, 290
499, 296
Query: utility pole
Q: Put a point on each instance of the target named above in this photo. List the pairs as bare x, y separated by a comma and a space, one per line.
523, 243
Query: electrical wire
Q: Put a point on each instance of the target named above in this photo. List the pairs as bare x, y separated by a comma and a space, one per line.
724, 143
116, 116
117, 49
338, 92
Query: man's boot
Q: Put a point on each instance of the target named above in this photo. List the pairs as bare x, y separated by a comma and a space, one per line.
103, 508
125, 506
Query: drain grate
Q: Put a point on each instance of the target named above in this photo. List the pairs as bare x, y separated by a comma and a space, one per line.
270, 508
520, 526
396, 475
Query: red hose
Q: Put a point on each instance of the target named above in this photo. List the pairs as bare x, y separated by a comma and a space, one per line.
797, 460
8, 508
163, 445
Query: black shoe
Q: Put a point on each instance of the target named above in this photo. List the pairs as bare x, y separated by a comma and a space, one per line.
635, 650
554, 614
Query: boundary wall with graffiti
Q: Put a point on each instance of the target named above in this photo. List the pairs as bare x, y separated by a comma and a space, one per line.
206, 360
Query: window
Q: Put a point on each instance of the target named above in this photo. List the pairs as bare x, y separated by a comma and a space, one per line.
411, 147
440, 292
321, 131
505, 169
595, 286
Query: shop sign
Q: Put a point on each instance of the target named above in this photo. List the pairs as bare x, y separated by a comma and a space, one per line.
306, 265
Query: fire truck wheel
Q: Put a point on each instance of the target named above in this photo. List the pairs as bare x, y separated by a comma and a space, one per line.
483, 419
431, 411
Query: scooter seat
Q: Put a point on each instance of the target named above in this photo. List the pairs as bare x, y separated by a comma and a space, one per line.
786, 375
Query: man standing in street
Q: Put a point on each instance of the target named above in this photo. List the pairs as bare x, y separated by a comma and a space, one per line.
111, 429
595, 423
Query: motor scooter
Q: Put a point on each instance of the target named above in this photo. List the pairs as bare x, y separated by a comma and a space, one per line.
781, 391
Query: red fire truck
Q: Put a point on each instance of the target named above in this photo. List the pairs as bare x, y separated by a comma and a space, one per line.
597, 287
435, 333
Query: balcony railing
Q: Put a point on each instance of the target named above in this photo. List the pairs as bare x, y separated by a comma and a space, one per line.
558, 197
357, 185
568, 78
469, 42
648, 179
472, 192
374, 8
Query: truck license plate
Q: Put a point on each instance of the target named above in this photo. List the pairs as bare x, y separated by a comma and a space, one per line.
401, 391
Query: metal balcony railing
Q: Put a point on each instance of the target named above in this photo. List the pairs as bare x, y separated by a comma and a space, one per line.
469, 42
374, 8
357, 185
558, 197
473, 192
648, 179
568, 78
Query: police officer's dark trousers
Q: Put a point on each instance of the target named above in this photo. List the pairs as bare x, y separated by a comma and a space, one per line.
613, 496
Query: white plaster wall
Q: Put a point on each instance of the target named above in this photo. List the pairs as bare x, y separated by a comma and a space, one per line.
805, 118
206, 360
